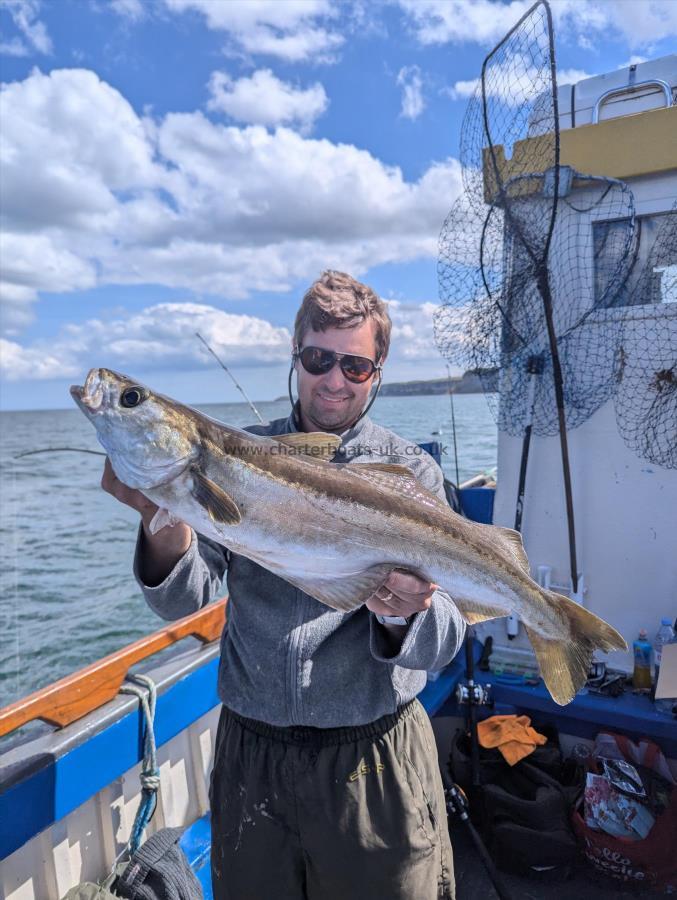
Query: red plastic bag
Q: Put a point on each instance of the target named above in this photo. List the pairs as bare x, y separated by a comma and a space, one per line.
651, 862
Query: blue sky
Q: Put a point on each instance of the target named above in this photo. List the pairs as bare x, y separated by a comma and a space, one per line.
173, 165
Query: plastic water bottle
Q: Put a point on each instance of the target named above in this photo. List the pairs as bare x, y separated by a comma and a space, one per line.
665, 635
641, 674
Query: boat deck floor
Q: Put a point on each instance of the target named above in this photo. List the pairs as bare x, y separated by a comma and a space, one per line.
473, 883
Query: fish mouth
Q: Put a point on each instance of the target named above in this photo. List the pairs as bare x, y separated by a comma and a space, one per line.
90, 396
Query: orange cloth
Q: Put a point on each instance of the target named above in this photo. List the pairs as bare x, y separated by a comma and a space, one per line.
513, 735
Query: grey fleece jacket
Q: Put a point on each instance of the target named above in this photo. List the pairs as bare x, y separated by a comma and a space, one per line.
288, 659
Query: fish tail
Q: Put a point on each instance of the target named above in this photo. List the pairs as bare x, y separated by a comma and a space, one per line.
565, 661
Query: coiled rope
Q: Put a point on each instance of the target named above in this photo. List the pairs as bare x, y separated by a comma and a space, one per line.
150, 774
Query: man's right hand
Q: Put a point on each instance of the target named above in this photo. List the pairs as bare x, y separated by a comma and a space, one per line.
160, 552
130, 497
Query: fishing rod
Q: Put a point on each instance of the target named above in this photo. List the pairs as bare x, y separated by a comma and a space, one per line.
474, 695
534, 369
59, 450
539, 261
453, 425
457, 804
234, 380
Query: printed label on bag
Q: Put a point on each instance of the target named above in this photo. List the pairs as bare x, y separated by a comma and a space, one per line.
613, 863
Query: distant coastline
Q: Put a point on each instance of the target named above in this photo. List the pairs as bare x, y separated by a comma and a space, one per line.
469, 383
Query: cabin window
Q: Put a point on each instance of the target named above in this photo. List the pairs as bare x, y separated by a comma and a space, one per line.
650, 276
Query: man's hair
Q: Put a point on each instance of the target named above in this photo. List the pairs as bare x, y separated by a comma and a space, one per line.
337, 300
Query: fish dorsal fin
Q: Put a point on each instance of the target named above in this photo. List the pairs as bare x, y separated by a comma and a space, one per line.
399, 479
316, 444
515, 547
219, 506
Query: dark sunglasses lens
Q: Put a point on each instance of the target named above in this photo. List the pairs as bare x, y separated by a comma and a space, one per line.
356, 368
316, 361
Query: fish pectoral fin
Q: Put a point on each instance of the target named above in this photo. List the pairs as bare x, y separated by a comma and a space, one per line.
565, 661
515, 547
162, 519
344, 594
316, 444
220, 507
474, 612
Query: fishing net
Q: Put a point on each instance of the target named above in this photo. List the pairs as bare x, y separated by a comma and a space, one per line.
518, 244
494, 322
646, 393
553, 290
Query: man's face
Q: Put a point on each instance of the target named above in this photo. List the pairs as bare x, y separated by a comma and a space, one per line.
330, 402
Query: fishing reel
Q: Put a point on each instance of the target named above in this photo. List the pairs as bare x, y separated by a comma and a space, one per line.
456, 800
477, 694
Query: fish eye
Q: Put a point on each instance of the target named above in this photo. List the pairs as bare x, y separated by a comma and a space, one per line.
132, 396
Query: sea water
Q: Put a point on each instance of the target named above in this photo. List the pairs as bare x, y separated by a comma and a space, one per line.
68, 596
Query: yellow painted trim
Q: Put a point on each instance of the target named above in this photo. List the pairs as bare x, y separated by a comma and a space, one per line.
625, 147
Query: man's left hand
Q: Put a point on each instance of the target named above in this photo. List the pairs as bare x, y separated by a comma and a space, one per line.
401, 594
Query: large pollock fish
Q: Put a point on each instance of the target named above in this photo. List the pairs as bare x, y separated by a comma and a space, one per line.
333, 530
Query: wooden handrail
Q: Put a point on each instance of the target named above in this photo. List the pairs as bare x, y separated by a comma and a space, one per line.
74, 696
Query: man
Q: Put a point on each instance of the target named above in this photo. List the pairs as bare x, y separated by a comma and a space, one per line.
325, 782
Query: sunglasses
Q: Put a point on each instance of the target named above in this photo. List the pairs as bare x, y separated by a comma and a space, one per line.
317, 361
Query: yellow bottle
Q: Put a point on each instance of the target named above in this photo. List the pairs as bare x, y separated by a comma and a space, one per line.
641, 673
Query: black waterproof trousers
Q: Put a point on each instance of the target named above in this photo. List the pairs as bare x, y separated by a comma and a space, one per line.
329, 814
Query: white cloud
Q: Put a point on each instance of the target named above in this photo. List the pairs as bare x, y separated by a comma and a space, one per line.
572, 76
34, 262
130, 9
635, 60
485, 22
263, 99
413, 104
15, 47
461, 21
510, 86
161, 337
19, 363
293, 31
24, 14
185, 202
68, 143
412, 335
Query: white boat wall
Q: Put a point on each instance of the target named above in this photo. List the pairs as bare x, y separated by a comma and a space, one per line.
68, 797
625, 507
82, 845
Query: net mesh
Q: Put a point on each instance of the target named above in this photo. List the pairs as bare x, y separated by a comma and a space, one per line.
646, 392
528, 233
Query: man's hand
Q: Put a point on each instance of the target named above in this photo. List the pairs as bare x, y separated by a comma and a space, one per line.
160, 552
401, 594
130, 497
